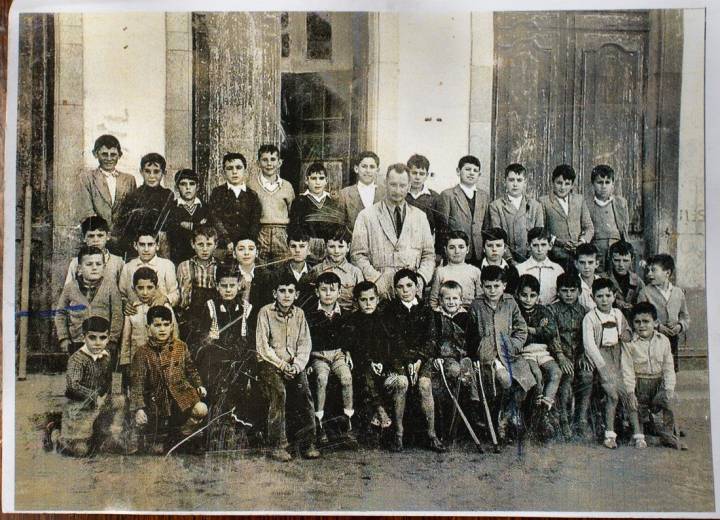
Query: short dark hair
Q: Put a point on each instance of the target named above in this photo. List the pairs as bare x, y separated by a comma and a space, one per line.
186, 174
365, 155
515, 168
144, 232
94, 223
494, 234
244, 235
643, 308
569, 280
565, 171
450, 284
328, 278
227, 270
233, 156
622, 248
398, 168
363, 286
153, 158
268, 148
664, 260
205, 230
468, 159
586, 250
87, 251
297, 234
602, 283
602, 170
492, 273
108, 141
159, 311
405, 273
285, 279
95, 324
418, 161
145, 273
316, 167
528, 280
536, 233
455, 234
340, 234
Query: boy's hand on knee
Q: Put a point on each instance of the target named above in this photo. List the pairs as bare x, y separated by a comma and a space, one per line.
140, 417
377, 368
565, 365
202, 391
585, 364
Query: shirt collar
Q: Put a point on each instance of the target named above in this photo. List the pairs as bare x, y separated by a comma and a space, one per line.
391, 207
424, 191
335, 309
366, 187
211, 262
94, 357
535, 263
303, 271
270, 186
470, 192
320, 199
113, 173
236, 189
603, 203
183, 202
515, 201
152, 261
410, 305
460, 311
282, 314
485, 263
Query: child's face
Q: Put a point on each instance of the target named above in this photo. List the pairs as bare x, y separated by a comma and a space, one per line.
515, 184
285, 296
451, 300
604, 298
160, 329
337, 250
187, 188
204, 246
528, 298
562, 186
568, 295
228, 287
657, 275
146, 291
368, 301
96, 238
456, 250
298, 250
406, 289
621, 263
107, 157
366, 170
539, 248
245, 252
494, 250
328, 293
152, 174
604, 187
469, 174
146, 247
418, 176
644, 325
493, 290
96, 341
317, 182
269, 163
235, 172
91, 267
586, 265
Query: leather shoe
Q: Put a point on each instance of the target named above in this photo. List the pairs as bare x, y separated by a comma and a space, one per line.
436, 445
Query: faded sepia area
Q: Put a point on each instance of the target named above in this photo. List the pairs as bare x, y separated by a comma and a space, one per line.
624, 88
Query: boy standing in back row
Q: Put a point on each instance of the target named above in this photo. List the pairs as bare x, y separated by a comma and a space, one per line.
609, 212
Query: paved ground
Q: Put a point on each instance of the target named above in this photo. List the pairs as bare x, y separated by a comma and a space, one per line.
561, 477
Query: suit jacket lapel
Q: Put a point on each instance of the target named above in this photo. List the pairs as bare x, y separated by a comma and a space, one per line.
386, 223
463, 201
559, 208
102, 186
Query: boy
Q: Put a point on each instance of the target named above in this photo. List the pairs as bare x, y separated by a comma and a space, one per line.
567, 217
134, 334
315, 212
88, 380
494, 246
95, 233
186, 215
103, 189
464, 207
468, 276
420, 195
649, 376
604, 328
336, 262
283, 347
146, 246
407, 356
365, 192
234, 207
628, 285
516, 213
586, 264
89, 293
327, 355
542, 330
245, 255
540, 266
276, 196
609, 212
495, 335
569, 315
165, 387
668, 299
148, 207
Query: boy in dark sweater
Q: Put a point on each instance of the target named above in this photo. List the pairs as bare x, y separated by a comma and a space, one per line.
187, 214
628, 285
421, 196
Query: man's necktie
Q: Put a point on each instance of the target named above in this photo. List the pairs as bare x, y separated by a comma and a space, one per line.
398, 221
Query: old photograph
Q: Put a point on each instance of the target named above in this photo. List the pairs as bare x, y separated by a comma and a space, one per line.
315, 261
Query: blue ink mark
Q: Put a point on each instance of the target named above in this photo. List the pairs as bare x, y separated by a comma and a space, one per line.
49, 313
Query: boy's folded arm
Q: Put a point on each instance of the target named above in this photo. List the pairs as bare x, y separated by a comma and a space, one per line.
262, 343
592, 351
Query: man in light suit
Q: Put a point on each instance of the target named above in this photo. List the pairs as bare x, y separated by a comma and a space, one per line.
391, 235
103, 189
355, 198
